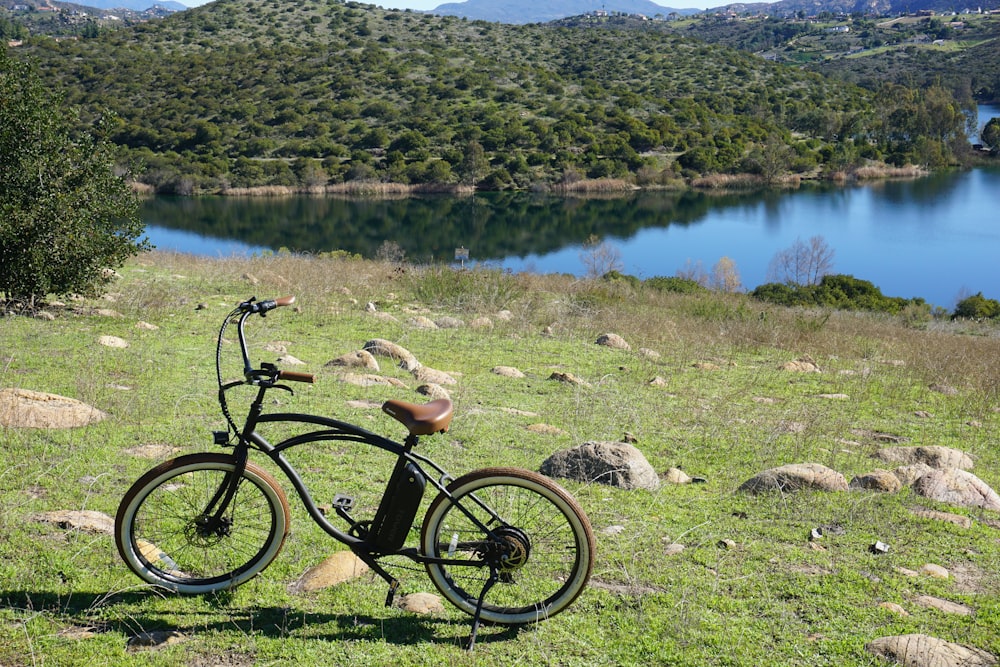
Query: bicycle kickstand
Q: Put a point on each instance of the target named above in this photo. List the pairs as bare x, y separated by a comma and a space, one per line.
494, 578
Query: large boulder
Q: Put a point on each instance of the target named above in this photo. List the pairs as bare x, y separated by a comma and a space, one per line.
924, 651
795, 477
23, 408
384, 348
957, 487
613, 463
935, 456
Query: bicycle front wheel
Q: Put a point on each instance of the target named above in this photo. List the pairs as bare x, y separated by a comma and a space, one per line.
546, 542
160, 532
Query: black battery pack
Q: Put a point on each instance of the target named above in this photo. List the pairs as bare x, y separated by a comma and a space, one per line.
398, 508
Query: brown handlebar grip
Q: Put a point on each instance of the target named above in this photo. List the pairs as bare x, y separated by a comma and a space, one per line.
284, 301
292, 376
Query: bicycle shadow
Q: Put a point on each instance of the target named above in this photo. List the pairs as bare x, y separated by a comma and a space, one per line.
89, 611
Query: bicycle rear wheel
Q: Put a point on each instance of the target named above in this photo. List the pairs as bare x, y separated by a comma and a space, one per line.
157, 528
546, 540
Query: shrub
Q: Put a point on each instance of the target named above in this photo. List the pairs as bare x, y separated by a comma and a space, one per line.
977, 307
65, 216
674, 284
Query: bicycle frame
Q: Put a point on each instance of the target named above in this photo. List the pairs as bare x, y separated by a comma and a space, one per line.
328, 430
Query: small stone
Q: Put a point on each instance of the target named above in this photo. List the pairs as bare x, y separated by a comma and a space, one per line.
894, 608
545, 429
156, 638
613, 530
113, 341
424, 604
146, 326
676, 476
568, 378
357, 359
340, 567
289, 360
673, 549
507, 371
727, 544
947, 606
936, 571
433, 390
449, 323
613, 341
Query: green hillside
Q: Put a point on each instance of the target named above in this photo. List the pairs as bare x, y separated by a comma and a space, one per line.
251, 92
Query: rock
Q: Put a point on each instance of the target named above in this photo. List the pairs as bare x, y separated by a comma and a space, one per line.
934, 456
505, 316
834, 397
907, 475
507, 371
426, 374
433, 390
935, 571
449, 323
481, 323
568, 378
421, 603
250, 279
23, 408
113, 341
648, 353
340, 567
615, 463
156, 638
705, 366
958, 520
676, 476
613, 341
894, 608
658, 381
146, 326
359, 359
957, 487
945, 389
289, 360
545, 429
801, 365
947, 606
86, 520
422, 322
152, 451
398, 353
918, 650
369, 380
673, 549
877, 480
795, 477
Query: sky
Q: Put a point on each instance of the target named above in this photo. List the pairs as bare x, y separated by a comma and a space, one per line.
431, 4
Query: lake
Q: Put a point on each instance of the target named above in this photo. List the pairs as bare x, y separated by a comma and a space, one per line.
937, 237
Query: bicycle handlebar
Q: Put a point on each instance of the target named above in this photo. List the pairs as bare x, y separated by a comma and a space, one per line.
261, 307
292, 376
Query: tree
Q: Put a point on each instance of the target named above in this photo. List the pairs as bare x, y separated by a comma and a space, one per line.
600, 257
991, 134
66, 218
725, 276
801, 263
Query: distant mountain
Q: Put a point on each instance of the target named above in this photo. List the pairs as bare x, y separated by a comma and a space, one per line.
543, 11
134, 5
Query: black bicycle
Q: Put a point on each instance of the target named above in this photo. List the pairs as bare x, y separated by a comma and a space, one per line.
505, 545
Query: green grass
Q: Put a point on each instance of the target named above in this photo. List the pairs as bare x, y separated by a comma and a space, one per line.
772, 598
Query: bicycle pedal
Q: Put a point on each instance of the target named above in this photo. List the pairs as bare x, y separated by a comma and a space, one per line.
342, 502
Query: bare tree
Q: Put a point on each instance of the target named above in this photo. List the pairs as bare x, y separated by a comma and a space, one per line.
725, 276
802, 263
600, 257
694, 271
